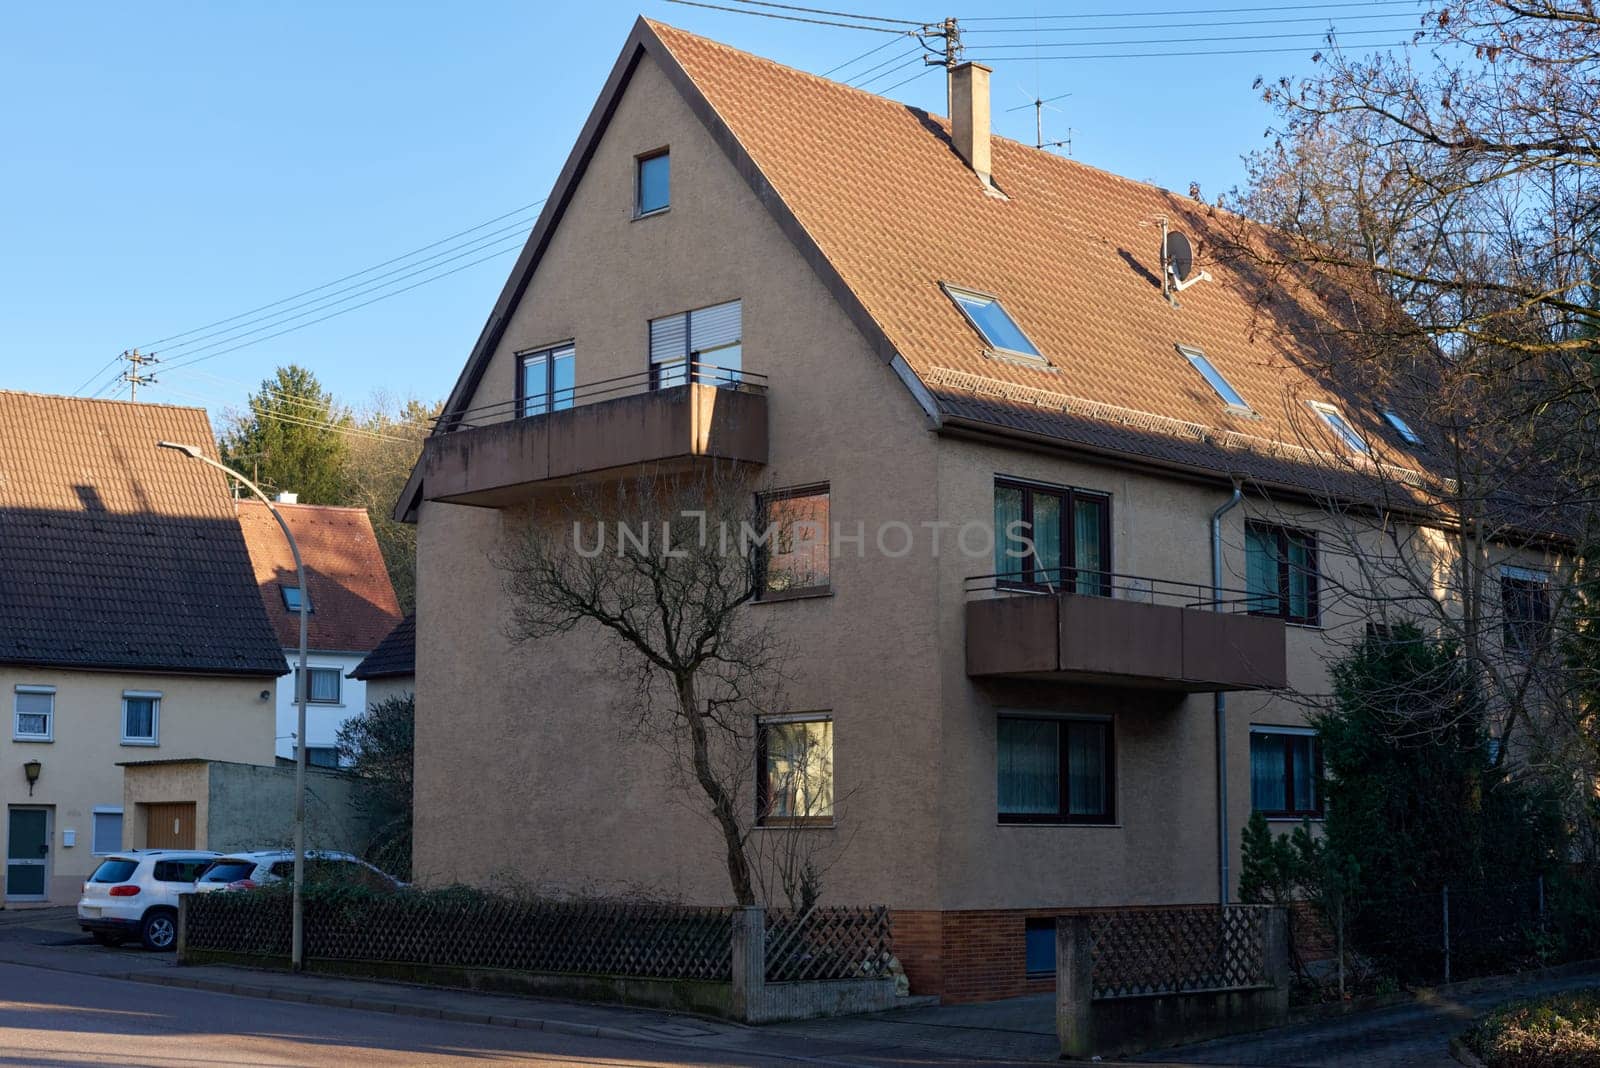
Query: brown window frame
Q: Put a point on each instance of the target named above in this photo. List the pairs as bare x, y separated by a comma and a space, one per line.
1524, 634
1317, 811
764, 784
638, 182
763, 503
1062, 816
1067, 577
1281, 535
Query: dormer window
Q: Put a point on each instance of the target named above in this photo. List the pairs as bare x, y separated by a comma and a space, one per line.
993, 323
652, 183
1401, 427
1340, 426
1214, 379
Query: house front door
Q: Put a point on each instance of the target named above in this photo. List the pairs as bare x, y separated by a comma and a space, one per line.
27, 854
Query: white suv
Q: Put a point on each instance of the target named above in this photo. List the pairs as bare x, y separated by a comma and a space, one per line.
245, 871
135, 895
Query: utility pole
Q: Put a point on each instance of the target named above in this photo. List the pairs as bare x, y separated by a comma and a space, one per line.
947, 53
136, 362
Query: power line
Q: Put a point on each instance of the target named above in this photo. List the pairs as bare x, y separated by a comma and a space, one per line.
103, 368
891, 72
342, 311
1192, 25
859, 80
820, 11
908, 81
790, 18
1162, 55
517, 232
1192, 11
348, 277
1320, 34
869, 52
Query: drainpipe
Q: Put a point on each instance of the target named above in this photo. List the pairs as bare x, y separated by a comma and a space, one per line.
1221, 700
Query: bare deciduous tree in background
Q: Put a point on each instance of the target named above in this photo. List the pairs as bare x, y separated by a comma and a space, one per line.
1439, 206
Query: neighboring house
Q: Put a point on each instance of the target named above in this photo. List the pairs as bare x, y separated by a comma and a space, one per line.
933, 331
352, 607
390, 670
130, 627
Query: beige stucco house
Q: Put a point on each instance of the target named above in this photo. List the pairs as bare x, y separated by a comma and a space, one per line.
916, 332
131, 628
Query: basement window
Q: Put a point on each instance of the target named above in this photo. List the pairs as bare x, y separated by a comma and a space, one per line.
1214, 379
993, 323
1340, 426
1402, 427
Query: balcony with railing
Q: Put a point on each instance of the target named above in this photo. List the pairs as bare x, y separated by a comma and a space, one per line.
494, 455
1111, 629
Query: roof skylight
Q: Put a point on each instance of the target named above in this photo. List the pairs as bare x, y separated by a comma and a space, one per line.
1340, 426
1402, 427
1214, 379
992, 321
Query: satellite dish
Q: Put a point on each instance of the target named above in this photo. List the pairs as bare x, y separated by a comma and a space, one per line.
1179, 254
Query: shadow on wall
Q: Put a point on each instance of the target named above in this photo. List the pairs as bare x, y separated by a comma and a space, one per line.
252, 807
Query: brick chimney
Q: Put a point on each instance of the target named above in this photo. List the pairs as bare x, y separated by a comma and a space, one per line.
969, 115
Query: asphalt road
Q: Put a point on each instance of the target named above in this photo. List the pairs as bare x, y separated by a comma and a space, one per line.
53, 1018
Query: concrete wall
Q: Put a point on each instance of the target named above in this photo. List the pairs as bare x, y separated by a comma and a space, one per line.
252, 807
322, 721
213, 717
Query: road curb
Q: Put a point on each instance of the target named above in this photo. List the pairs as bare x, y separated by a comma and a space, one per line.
393, 1008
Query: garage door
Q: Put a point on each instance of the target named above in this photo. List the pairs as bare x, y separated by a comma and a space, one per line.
169, 826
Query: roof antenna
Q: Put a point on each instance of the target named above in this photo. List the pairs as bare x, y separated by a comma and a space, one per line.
1038, 107
1177, 264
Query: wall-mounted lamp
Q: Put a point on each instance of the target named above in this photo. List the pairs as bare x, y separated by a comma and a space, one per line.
31, 769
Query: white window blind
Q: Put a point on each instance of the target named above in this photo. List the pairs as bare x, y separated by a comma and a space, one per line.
711, 336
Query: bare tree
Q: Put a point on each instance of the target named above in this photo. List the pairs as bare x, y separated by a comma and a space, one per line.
1434, 213
663, 566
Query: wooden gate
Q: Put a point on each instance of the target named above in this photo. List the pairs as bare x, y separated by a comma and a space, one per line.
169, 825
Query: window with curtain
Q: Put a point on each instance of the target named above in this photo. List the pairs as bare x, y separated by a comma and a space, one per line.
1054, 538
795, 763
141, 714
546, 380
795, 559
322, 686
707, 343
1524, 607
106, 835
1280, 569
1285, 773
1054, 770
35, 708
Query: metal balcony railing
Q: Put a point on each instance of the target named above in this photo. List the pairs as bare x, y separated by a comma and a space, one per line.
1113, 584
659, 378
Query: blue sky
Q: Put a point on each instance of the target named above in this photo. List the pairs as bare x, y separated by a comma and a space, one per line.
168, 165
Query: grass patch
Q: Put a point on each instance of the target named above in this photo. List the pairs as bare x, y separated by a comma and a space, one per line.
1559, 1031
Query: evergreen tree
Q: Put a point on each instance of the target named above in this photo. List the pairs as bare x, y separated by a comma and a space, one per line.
291, 439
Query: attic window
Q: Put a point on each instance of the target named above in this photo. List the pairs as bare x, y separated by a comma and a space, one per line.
291, 599
992, 321
1214, 379
1402, 427
1338, 424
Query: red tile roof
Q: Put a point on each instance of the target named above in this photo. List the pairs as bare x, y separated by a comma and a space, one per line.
1071, 251
117, 554
352, 601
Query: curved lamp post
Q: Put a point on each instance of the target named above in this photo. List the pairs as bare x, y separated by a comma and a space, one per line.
297, 942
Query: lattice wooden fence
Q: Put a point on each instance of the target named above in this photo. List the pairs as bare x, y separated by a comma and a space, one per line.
828, 943
1159, 951
475, 931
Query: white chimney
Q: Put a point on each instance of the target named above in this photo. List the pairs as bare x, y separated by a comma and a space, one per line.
969, 115
288, 498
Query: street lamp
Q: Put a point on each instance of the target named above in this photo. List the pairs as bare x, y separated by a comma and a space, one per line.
297, 940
